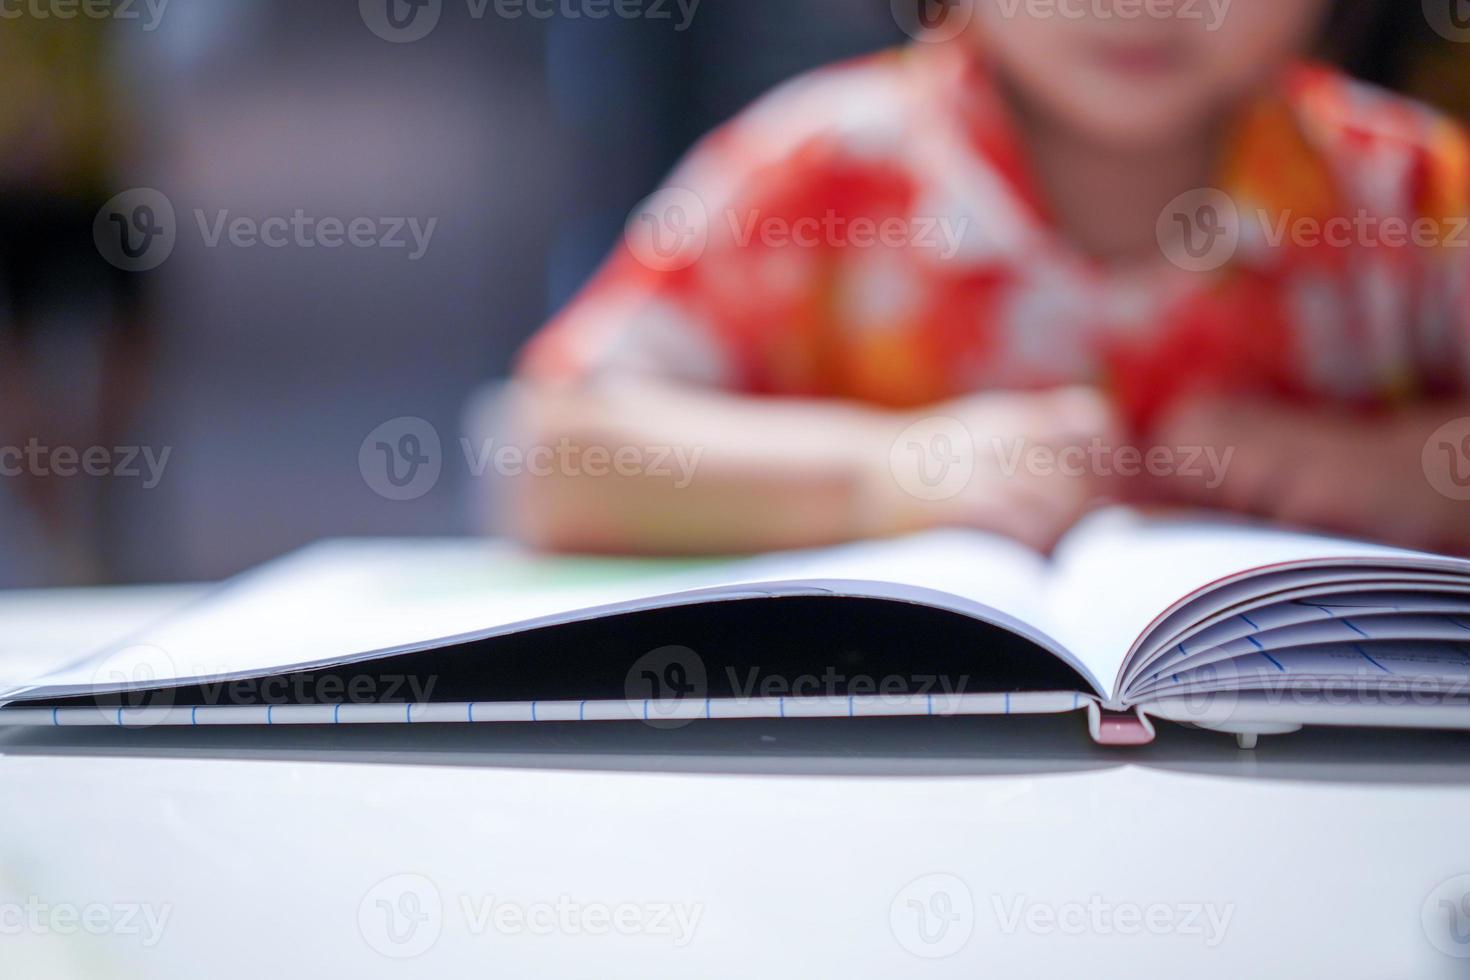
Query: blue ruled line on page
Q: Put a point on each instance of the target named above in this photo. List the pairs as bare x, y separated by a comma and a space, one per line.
1274, 661
1349, 624
1183, 652
1359, 647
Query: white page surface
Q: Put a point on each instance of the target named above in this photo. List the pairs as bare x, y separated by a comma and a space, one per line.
338, 600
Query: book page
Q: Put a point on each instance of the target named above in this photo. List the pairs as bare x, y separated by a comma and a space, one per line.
1121, 569
338, 601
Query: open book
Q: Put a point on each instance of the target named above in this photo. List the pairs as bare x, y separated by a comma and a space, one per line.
1225, 625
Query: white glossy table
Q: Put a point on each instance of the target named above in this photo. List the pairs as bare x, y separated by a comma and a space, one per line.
883, 848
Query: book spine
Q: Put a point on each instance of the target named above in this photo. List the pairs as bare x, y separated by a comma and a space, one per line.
492, 712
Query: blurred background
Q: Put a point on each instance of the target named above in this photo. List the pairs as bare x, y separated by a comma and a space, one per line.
259, 370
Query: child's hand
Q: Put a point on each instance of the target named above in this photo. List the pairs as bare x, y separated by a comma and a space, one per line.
1361, 476
1030, 475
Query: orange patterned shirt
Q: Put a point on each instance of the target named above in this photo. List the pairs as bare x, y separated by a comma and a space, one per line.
870, 231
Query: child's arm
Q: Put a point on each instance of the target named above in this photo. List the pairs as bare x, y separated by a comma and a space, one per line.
726, 473
1361, 476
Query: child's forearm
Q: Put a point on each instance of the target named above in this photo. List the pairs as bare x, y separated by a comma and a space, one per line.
650, 467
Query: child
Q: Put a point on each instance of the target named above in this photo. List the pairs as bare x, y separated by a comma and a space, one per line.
1070, 235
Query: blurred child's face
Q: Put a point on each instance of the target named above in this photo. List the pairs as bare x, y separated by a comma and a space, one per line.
1140, 73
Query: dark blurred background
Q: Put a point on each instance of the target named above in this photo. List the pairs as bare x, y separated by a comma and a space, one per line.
261, 370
